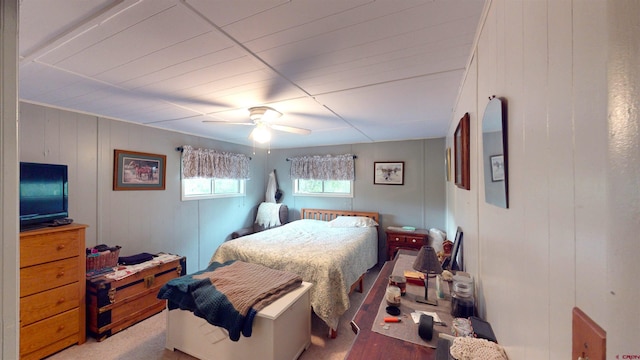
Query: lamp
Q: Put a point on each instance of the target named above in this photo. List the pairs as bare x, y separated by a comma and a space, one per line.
427, 263
261, 133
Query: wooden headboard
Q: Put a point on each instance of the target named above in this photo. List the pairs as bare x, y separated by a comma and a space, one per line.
328, 215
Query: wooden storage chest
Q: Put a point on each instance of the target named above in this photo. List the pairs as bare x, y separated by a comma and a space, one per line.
52, 290
113, 305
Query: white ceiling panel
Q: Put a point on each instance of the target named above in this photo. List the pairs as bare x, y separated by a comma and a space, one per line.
128, 43
351, 71
404, 101
304, 19
225, 12
46, 20
197, 52
95, 32
42, 81
177, 68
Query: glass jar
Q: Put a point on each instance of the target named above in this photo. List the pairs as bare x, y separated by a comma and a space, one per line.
462, 301
393, 296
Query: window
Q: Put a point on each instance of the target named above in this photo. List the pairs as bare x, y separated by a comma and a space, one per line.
200, 188
328, 188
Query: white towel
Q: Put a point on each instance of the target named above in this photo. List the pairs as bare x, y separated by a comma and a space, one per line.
272, 186
268, 215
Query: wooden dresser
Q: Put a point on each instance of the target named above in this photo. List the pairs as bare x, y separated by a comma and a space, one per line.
52, 290
410, 240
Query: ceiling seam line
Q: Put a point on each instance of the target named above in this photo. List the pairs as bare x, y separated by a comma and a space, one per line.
388, 82
68, 35
258, 58
241, 46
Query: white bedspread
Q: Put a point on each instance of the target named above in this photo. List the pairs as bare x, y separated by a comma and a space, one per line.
332, 259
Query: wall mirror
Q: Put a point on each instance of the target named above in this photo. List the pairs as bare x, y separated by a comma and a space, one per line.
461, 150
494, 153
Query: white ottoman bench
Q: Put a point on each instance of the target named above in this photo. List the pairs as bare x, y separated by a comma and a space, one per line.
281, 330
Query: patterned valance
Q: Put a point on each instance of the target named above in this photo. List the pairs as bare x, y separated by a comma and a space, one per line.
323, 167
208, 163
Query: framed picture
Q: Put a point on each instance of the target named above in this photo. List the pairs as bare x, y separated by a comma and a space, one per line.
497, 168
388, 173
461, 148
457, 262
447, 164
134, 170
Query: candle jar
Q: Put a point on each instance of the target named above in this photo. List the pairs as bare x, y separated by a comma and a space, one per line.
399, 281
462, 301
393, 296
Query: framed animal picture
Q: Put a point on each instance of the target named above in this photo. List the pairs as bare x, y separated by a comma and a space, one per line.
134, 170
388, 173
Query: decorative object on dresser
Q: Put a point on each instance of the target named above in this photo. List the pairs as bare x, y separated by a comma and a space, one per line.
121, 298
427, 263
52, 290
102, 258
134, 170
399, 238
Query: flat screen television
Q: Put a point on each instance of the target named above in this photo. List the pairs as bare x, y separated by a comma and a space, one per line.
44, 194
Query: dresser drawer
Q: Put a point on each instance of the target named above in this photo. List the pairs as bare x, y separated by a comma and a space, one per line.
405, 239
413, 240
49, 247
50, 330
35, 279
49, 303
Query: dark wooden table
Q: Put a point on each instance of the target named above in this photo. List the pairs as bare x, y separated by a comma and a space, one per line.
370, 345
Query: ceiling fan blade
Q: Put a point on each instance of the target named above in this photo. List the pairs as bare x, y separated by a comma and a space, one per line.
227, 122
291, 129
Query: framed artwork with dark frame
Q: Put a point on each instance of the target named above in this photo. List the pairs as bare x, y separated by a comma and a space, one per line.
388, 173
457, 261
461, 150
134, 170
447, 164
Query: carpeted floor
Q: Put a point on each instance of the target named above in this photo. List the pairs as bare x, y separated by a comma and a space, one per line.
145, 340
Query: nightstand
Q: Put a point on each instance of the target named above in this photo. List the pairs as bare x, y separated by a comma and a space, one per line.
412, 240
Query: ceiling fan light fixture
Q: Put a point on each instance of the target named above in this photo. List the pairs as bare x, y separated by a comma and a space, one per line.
263, 113
261, 134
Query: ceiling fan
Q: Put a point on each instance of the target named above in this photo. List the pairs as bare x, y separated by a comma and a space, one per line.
262, 117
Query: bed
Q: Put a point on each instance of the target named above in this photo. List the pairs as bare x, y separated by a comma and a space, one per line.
331, 260
331, 249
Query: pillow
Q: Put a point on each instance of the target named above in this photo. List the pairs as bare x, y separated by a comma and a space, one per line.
352, 221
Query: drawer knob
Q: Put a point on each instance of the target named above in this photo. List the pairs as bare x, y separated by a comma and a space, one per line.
397, 239
60, 274
413, 240
61, 327
61, 300
61, 247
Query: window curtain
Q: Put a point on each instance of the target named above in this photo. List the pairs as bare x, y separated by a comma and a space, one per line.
323, 167
208, 163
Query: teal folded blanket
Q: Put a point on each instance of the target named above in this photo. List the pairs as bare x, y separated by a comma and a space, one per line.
229, 295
